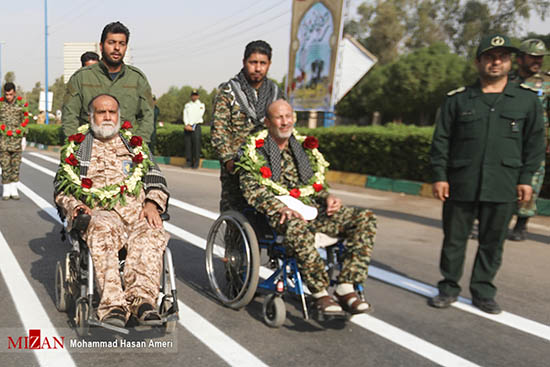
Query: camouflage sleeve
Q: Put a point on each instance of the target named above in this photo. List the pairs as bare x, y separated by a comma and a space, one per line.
67, 204
145, 116
158, 197
72, 104
258, 196
221, 136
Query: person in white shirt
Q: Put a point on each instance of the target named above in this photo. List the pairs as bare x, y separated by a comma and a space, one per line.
193, 113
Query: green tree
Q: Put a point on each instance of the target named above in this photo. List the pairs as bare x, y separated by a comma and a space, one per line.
58, 90
172, 102
33, 96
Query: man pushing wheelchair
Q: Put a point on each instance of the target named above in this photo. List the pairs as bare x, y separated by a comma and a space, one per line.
108, 174
282, 175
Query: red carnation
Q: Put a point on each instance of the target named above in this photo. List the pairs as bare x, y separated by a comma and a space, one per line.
18, 132
295, 193
259, 143
86, 183
19, 98
136, 141
25, 123
126, 125
317, 187
265, 171
138, 158
77, 138
311, 142
26, 104
71, 159
3, 127
25, 113
123, 188
1, 99
9, 133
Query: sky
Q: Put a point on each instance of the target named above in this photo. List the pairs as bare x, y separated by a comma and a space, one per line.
175, 42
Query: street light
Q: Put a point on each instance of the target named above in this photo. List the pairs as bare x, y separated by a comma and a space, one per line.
1, 43
46, 57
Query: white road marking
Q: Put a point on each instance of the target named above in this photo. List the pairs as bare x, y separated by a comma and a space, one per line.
30, 309
45, 157
511, 320
225, 347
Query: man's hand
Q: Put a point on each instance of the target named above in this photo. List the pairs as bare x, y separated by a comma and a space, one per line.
440, 190
230, 165
525, 192
287, 213
188, 127
333, 204
81, 207
151, 213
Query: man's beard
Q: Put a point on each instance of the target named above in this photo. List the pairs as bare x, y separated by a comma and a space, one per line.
109, 61
107, 130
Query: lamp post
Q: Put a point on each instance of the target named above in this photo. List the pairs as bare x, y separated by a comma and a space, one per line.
1, 43
46, 57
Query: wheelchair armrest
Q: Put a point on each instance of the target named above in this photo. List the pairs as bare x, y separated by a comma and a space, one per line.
81, 222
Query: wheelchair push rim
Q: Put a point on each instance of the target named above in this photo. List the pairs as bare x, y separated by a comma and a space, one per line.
232, 260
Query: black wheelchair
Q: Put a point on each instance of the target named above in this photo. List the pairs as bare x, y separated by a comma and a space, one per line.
233, 266
76, 293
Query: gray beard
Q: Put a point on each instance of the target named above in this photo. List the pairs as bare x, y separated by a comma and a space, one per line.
104, 132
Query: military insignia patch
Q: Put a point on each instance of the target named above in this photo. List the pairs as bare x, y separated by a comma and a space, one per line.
455, 91
497, 41
126, 166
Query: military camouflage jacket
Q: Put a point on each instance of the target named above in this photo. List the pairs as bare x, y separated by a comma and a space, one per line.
11, 115
263, 199
541, 83
230, 125
130, 87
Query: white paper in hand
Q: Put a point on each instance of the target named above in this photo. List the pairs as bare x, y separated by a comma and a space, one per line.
307, 211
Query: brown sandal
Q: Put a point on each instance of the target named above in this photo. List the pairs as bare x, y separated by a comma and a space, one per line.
325, 302
351, 302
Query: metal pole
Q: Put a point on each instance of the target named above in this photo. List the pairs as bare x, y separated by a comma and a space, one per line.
1, 43
46, 53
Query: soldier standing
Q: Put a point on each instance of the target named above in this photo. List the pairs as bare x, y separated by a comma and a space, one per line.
487, 145
239, 110
530, 59
13, 124
111, 75
193, 113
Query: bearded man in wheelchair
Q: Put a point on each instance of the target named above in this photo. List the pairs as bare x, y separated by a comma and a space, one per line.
282, 175
108, 174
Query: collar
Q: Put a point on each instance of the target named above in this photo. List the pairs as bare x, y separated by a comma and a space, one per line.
106, 71
509, 89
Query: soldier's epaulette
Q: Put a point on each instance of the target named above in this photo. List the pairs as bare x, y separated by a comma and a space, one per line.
133, 68
525, 86
455, 91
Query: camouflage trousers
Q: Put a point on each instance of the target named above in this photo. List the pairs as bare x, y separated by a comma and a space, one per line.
232, 198
356, 226
10, 163
105, 236
529, 209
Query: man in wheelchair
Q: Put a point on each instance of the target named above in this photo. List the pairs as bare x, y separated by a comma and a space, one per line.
277, 164
108, 174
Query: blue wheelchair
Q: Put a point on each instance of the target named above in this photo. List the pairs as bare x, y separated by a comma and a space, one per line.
233, 248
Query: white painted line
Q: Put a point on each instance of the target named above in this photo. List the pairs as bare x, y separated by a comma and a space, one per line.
194, 209
38, 167
225, 347
45, 157
505, 318
30, 309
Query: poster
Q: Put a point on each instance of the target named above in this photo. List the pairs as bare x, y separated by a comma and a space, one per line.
315, 34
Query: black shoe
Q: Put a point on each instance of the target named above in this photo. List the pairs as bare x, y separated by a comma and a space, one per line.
147, 315
520, 230
441, 301
115, 317
488, 305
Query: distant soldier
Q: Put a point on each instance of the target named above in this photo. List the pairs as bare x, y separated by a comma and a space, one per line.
193, 113
12, 127
239, 111
89, 58
487, 145
530, 59
111, 75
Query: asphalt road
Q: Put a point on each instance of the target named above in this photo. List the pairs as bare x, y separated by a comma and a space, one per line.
402, 331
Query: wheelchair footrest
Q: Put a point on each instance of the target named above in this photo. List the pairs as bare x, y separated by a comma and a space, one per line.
104, 325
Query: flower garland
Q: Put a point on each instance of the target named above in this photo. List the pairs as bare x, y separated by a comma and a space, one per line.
107, 196
22, 129
256, 163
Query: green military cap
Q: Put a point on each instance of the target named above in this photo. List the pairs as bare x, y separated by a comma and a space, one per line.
533, 47
195, 91
496, 40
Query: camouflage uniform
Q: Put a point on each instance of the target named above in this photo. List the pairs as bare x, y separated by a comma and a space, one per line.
130, 87
230, 128
356, 226
111, 230
12, 116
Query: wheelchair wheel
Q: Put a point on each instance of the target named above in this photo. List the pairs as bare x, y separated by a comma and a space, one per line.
60, 288
82, 313
232, 259
274, 311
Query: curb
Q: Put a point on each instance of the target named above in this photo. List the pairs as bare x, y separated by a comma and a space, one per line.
348, 178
